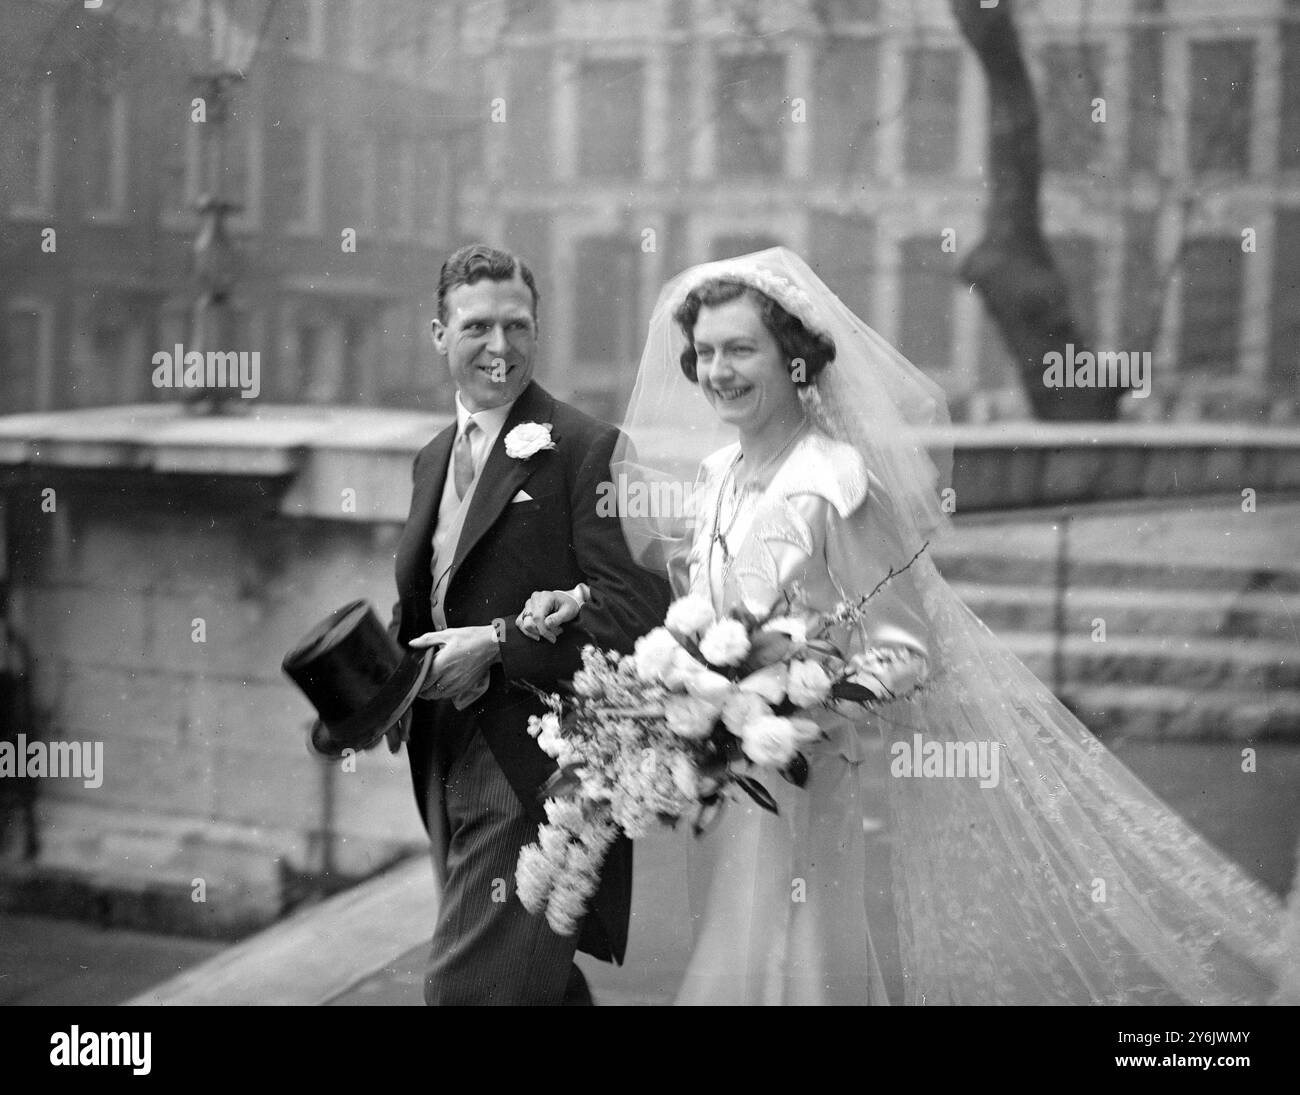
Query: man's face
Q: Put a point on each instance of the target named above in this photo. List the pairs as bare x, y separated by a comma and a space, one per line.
489, 340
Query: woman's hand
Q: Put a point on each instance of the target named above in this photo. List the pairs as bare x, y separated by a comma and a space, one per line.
547, 611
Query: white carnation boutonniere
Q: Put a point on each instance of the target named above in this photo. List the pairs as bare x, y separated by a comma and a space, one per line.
527, 439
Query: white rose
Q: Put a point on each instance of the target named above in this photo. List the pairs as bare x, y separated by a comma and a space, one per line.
741, 709
550, 741
789, 625
686, 776
690, 615
806, 730
770, 682
770, 742
688, 717
653, 654
700, 682
809, 683
725, 643
527, 439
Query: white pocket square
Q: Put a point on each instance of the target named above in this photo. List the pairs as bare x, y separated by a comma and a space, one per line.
522, 496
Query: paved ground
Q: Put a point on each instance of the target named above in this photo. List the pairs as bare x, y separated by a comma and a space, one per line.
1255, 819
44, 961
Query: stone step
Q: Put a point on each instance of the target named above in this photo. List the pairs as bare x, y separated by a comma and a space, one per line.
1166, 713
1195, 665
1150, 612
1164, 574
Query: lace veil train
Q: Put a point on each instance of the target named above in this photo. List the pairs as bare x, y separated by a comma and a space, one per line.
1067, 881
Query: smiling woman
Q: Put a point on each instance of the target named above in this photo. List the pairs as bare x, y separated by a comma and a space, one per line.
750, 357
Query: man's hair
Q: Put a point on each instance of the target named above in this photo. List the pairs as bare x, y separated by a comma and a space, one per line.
795, 341
476, 261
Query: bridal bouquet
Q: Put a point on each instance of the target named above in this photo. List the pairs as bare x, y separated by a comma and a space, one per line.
672, 728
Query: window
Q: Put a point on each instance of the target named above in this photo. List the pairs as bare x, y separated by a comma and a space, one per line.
530, 146
844, 252
30, 159
1222, 84
850, 11
1284, 357
530, 16
365, 43
390, 196
609, 133
528, 235
730, 246
352, 183
997, 366
605, 331
26, 355
109, 349
298, 180
103, 167
1288, 148
1076, 259
1211, 306
846, 115
1146, 88
1071, 80
338, 29
398, 36
751, 110
300, 27
433, 193
308, 363
180, 166
926, 290
930, 113
1140, 322
241, 180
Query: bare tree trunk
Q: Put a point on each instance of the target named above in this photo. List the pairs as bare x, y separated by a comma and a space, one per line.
1011, 266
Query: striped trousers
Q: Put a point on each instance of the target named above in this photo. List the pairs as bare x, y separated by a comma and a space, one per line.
487, 948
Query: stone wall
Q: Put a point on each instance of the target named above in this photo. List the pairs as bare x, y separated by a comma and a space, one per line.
206, 771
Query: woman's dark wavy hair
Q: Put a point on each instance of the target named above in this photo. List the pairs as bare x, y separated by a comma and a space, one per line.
796, 341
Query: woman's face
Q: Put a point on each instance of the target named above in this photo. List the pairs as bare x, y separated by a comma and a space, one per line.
740, 368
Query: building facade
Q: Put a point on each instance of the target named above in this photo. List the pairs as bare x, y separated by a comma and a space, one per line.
630, 138
615, 142
344, 125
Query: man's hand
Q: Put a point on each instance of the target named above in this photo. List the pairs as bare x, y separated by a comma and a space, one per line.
546, 613
467, 654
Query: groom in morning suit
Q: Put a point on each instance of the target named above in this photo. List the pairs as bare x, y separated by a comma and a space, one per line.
486, 530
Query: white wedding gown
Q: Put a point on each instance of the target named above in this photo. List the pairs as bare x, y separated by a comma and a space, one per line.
1066, 882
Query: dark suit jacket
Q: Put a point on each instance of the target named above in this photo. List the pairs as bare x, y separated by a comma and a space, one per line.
508, 550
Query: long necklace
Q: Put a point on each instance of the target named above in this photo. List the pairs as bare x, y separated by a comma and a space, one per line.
729, 480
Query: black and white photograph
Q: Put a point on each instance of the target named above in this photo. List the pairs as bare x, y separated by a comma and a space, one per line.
651, 502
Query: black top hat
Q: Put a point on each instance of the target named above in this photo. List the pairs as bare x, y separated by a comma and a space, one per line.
356, 676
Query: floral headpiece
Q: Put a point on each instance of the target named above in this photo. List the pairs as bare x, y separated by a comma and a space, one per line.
780, 288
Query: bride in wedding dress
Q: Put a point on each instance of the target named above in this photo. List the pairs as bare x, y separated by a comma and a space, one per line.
1028, 865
